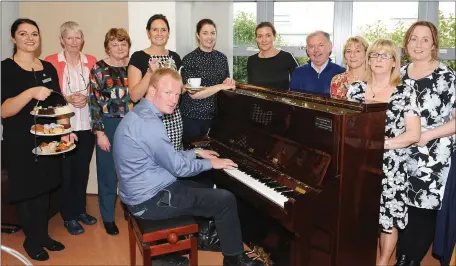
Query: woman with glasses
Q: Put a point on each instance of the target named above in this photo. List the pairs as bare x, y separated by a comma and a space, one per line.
109, 102
144, 62
355, 59
73, 68
26, 80
382, 84
429, 162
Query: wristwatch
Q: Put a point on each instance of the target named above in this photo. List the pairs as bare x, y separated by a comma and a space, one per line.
197, 152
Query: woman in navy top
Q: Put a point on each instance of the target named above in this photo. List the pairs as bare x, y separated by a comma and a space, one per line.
211, 66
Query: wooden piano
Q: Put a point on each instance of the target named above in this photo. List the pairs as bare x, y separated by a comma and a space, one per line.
309, 177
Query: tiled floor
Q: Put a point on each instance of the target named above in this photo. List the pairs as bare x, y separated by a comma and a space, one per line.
95, 247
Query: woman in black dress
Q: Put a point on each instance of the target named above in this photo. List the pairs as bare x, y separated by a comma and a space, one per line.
26, 80
271, 67
143, 63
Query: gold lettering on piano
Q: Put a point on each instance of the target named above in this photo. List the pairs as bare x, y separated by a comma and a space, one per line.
300, 190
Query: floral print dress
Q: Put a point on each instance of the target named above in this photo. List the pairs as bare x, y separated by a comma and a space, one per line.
429, 165
393, 207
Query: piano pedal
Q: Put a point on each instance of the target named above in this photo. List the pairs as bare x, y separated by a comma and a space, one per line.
249, 252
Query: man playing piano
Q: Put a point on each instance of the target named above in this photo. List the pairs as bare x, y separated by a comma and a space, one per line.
147, 165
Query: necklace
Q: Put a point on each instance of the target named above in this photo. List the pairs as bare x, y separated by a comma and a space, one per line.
378, 91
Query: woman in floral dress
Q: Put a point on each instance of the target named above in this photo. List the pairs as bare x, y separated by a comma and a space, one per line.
402, 129
429, 163
355, 59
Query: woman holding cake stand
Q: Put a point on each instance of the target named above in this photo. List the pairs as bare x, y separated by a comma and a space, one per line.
26, 80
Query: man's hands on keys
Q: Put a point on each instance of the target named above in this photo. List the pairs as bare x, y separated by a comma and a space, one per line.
218, 163
206, 154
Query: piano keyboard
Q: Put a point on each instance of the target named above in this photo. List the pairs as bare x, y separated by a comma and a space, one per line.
266, 186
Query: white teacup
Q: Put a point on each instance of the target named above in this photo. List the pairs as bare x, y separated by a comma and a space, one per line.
195, 83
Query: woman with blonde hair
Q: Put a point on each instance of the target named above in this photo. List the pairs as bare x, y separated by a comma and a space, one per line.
382, 84
429, 161
355, 59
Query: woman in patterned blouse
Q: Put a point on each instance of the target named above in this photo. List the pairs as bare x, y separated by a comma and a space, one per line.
211, 66
402, 130
355, 59
429, 161
109, 102
143, 63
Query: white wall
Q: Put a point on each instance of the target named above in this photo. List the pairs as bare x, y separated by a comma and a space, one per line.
10, 12
138, 15
189, 13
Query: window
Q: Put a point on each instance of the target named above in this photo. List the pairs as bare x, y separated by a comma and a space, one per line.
447, 25
244, 24
295, 20
389, 20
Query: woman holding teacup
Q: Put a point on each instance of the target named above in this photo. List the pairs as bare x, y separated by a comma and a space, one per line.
73, 68
143, 63
208, 68
109, 101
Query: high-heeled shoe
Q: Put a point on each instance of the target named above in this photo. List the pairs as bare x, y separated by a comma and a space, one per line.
53, 245
36, 253
402, 260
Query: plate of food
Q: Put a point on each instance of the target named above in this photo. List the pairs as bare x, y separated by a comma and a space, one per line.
50, 129
53, 148
51, 111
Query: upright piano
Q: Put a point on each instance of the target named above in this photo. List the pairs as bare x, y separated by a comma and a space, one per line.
309, 177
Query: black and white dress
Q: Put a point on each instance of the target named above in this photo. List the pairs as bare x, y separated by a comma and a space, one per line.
393, 207
429, 165
173, 122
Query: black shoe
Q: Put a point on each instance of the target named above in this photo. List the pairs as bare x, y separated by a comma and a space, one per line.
73, 227
36, 253
87, 219
241, 260
53, 245
170, 260
111, 228
402, 260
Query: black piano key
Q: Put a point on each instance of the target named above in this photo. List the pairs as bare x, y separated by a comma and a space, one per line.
281, 189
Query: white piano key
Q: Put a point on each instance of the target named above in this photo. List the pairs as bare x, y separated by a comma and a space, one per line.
256, 185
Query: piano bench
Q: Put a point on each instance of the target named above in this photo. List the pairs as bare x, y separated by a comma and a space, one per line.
162, 237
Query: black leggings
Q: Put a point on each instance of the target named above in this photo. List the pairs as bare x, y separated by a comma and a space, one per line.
416, 239
33, 216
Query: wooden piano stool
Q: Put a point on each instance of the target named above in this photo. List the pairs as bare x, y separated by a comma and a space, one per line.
162, 237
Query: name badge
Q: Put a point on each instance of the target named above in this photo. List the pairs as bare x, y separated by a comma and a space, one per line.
47, 80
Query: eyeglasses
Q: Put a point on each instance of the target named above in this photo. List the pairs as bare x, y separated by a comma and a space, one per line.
69, 81
383, 56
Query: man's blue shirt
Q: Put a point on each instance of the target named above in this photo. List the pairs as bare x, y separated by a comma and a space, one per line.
144, 157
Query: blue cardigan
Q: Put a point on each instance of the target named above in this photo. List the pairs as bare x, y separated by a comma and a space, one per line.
306, 79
